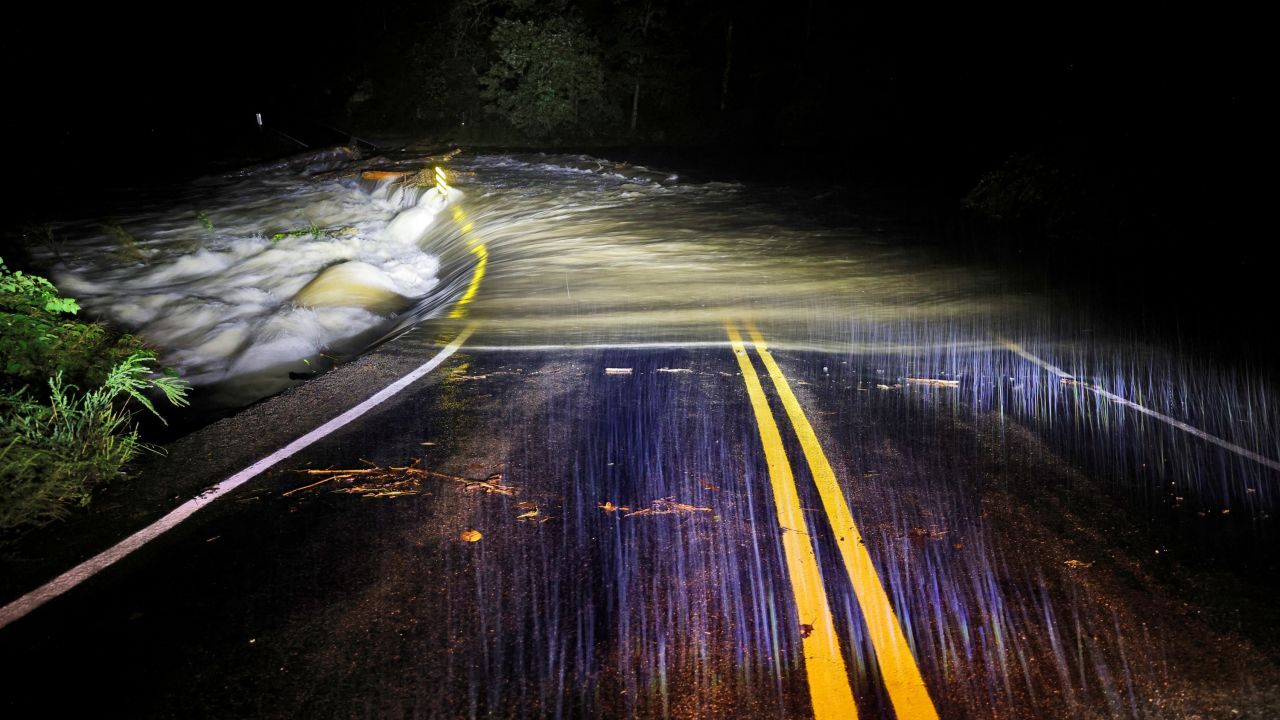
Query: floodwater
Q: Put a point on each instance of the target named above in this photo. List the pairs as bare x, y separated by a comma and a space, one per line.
246, 279
253, 281
1003, 451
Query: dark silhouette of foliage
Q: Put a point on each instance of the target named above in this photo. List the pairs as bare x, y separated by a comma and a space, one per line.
547, 80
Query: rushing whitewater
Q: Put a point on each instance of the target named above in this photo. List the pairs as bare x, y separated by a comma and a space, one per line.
246, 286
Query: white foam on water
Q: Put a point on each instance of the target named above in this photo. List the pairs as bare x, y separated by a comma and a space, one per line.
230, 301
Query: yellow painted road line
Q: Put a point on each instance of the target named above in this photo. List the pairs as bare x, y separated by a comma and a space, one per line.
898, 666
824, 665
481, 252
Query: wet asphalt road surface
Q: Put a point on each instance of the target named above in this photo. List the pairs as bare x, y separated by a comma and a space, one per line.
938, 495
596, 533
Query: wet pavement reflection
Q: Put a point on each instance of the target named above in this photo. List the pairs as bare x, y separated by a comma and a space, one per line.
584, 514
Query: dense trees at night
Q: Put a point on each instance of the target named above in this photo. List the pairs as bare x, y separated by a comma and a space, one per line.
517, 70
547, 79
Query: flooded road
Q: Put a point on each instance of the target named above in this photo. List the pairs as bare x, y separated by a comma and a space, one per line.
246, 278
704, 450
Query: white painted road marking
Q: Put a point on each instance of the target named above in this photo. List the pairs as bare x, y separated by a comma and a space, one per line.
1070, 379
87, 569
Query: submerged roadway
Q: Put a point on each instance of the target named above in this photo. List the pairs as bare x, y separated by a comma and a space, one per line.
759, 518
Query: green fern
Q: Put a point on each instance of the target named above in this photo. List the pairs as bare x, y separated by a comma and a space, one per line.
55, 454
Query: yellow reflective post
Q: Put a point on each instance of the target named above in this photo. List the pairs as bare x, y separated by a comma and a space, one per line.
442, 181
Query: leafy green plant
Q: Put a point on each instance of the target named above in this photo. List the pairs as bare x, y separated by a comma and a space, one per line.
311, 230
39, 333
54, 454
205, 222
548, 78
23, 292
57, 442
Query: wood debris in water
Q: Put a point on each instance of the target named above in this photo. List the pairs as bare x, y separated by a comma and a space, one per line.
443, 157
384, 174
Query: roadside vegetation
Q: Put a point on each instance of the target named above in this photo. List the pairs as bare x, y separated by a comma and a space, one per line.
69, 389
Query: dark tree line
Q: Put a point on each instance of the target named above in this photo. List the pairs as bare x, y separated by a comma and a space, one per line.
536, 71
628, 70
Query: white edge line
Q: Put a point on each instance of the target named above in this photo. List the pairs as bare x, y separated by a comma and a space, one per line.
1191, 429
17, 609
1243, 452
1021, 352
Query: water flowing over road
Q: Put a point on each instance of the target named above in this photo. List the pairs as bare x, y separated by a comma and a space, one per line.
242, 280
695, 449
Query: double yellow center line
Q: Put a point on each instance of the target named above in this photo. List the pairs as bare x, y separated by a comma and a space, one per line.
829, 686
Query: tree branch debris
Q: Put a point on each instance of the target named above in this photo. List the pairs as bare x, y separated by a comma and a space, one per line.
664, 506
933, 382
392, 481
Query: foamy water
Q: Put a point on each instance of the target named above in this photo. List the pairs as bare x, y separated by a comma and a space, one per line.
292, 272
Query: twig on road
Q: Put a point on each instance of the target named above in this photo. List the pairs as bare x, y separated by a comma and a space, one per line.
393, 481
